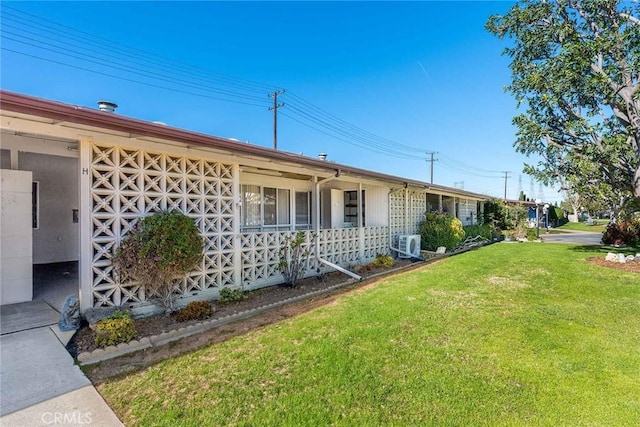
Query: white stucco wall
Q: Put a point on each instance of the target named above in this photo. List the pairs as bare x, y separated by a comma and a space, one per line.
56, 239
376, 206
16, 272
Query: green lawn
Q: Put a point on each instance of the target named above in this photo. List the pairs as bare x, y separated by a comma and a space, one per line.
599, 227
510, 334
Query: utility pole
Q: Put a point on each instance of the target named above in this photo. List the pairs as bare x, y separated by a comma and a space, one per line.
506, 176
275, 107
431, 153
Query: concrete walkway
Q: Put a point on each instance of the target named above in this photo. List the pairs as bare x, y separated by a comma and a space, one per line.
41, 386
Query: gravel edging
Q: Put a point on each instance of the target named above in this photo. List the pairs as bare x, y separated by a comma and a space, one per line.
110, 352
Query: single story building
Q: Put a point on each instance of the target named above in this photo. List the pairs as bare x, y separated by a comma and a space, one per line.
75, 180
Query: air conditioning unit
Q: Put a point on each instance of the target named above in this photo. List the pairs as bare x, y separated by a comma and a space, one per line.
409, 246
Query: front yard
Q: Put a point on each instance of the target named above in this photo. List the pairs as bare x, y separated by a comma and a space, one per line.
508, 334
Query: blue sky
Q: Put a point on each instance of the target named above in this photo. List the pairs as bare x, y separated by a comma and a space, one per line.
406, 77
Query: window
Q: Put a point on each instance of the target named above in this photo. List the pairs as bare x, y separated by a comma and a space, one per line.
251, 207
265, 208
303, 210
351, 208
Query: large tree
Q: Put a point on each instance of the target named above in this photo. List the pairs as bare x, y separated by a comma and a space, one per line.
575, 75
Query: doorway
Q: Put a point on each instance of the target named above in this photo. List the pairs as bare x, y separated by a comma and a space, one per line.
55, 225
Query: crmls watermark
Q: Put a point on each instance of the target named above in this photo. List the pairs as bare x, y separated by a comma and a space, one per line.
66, 418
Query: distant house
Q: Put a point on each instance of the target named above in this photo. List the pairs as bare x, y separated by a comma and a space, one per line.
75, 179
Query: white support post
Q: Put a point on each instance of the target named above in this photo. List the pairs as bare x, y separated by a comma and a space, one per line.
360, 223
315, 203
406, 211
13, 157
237, 243
85, 275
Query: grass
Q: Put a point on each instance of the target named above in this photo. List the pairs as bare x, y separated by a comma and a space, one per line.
599, 227
505, 335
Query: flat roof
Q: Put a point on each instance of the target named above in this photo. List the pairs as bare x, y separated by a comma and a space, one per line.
24, 104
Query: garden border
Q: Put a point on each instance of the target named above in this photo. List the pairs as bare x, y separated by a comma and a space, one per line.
110, 352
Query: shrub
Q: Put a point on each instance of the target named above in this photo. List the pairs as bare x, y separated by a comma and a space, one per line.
622, 232
195, 310
557, 216
158, 249
232, 295
383, 260
294, 257
494, 214
532, 234
519, 232
439, 229
115, 329
485, 231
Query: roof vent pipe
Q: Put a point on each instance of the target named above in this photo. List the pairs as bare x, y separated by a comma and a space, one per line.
108, 106
322, 156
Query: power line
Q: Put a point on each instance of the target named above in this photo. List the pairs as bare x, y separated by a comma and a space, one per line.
45, 40
69, 40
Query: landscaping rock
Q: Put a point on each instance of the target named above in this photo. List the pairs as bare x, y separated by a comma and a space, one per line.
622, 259
611, 257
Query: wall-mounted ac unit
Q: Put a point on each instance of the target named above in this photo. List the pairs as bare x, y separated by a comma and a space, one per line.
409, 246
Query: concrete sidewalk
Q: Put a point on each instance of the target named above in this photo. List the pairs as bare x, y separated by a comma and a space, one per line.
41, 386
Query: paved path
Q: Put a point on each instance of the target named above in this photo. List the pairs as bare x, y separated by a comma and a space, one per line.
574, 237
41, 386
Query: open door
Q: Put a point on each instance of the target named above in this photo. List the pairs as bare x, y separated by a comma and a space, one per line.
16, 245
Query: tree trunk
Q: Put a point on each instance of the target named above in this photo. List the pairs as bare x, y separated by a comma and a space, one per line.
636, 181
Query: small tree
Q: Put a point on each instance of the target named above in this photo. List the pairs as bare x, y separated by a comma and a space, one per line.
157, 250
294, 257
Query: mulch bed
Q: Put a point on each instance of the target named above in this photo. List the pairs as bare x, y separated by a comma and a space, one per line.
632, 266
84, 339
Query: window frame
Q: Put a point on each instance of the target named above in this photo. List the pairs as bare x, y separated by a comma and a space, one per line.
278, 204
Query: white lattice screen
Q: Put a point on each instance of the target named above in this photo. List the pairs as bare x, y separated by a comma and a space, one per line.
418, 207
260, 254
340, 245
127, 184
376, 241
397, 212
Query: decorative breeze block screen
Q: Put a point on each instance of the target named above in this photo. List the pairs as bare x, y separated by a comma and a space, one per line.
127, 184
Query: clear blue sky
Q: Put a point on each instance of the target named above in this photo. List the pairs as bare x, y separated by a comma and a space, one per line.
422, 75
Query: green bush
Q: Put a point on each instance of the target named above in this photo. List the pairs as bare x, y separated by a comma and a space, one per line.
158, 249
195, 310
557, 216
484, 230
439, 229
231, 295
383, 260
623, 232
494, 214
294, 256
532, 234
115, 329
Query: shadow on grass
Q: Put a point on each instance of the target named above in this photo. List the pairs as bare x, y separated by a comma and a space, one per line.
604, 249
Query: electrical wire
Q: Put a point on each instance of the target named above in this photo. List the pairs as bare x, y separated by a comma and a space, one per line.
83, 51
